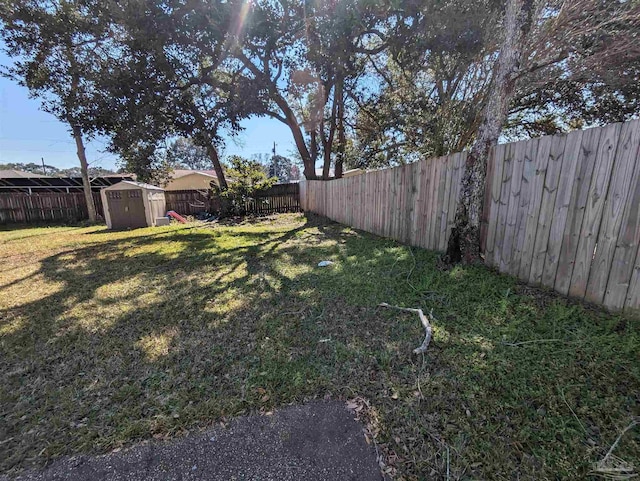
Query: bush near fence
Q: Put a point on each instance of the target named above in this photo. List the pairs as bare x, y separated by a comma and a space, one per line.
560, 211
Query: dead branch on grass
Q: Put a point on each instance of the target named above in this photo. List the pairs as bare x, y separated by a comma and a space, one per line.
425, 324
611, 466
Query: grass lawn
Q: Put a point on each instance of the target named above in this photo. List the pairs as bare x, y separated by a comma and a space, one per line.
109, 338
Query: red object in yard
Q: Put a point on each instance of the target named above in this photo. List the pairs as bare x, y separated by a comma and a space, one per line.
176, 216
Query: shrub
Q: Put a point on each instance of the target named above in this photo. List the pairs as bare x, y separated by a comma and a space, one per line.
246, 177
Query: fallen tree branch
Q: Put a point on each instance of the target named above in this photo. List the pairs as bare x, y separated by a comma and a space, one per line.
611, 466
425, 323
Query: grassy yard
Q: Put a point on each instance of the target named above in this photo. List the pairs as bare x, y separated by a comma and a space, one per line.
109, 338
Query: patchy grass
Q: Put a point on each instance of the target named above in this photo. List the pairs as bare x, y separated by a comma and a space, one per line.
108, 338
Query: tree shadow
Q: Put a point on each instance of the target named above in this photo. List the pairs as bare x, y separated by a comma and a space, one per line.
150, 335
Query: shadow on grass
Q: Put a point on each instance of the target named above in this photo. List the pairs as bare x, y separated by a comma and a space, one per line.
150, 335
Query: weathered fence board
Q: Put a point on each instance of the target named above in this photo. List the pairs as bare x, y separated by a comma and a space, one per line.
547, 205
579, 193
593, 210
494, 189
559, 217
526, 187
626, 246
560, 211
614, 206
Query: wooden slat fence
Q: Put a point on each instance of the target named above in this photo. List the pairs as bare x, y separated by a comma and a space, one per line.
24, 208
18, 207
413, 203
276, 199
560, 211
190, 202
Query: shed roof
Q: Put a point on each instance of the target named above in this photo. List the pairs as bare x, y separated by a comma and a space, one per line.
129, 183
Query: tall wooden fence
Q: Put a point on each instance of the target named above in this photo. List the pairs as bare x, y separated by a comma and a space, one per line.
18, 207
560, 211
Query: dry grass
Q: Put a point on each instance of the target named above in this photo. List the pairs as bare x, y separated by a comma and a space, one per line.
110, 338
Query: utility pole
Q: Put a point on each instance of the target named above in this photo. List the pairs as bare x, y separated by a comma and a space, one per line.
44, 170
273, 170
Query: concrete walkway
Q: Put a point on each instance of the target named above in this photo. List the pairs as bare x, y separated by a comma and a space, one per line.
317, 441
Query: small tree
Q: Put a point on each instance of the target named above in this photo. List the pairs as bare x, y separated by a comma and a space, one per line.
182, 153
248, 177
280, 167
146, 161
55, 46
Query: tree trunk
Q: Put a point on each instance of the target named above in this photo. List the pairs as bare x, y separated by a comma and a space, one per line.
464, 241
288, 118
212, 152
326, 163
340, 127
84, 170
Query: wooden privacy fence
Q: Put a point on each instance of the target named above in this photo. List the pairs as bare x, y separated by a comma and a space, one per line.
189, 202
277, 198
560, 211
18, 207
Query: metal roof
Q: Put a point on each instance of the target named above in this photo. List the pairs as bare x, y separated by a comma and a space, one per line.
57, 184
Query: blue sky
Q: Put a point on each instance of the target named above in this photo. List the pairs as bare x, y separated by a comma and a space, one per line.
28, 134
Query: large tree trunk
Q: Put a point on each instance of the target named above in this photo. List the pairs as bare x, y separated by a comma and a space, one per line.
212, 152
288, 117
342, 140
326, 163
308, 158
84, 170
464, 242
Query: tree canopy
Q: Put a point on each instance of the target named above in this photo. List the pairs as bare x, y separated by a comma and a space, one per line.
359, 83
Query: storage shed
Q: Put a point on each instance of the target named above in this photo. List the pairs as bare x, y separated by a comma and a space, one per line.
129, 204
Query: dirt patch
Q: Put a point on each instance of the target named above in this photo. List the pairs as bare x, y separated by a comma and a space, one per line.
316, 441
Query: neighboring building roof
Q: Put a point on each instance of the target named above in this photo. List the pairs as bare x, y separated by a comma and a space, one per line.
19, 174
123, 175
352, 172
346, 173
142, 185
176, 174
319, 173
